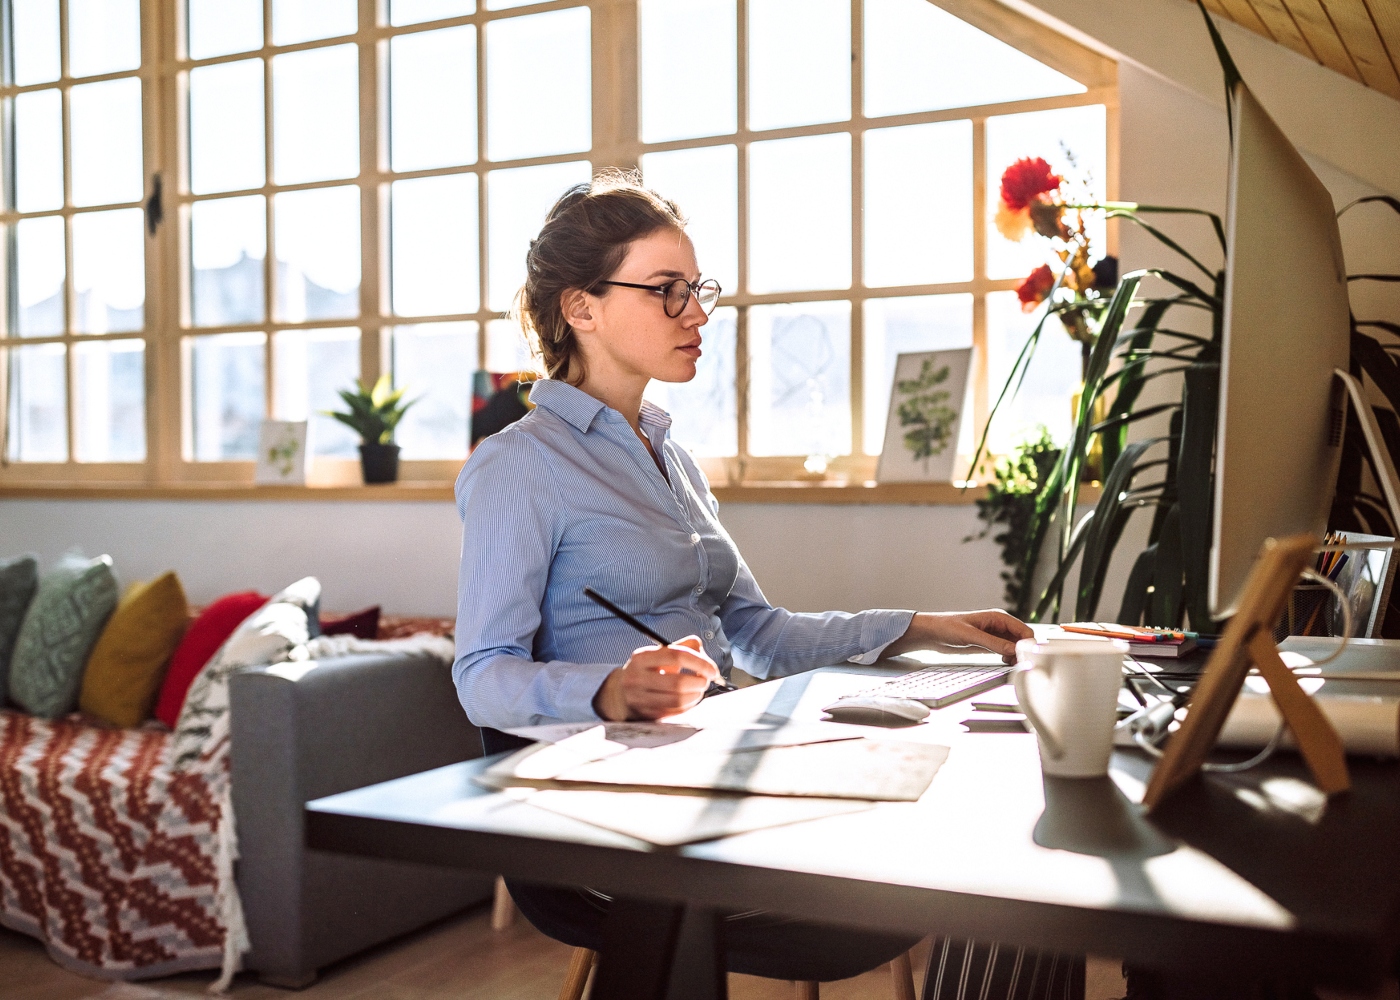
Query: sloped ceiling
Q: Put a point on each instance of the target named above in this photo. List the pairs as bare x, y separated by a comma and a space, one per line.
1357, 38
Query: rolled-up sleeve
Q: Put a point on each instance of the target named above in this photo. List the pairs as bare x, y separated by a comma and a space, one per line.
511, 528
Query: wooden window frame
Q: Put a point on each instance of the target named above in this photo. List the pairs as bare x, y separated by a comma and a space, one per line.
615, 142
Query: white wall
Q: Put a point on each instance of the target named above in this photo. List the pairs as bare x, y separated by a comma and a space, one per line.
403, 555
1174, 148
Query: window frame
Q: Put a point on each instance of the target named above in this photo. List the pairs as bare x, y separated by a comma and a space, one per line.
616, 141
71, 469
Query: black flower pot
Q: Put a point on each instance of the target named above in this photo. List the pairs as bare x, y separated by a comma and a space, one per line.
379, 462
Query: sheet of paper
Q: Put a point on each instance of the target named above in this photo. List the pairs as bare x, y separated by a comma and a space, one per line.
631, 734
604, 740
669, 820
872, 770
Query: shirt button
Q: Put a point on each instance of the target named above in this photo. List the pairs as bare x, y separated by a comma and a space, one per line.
694, 539
709, 635
699, 590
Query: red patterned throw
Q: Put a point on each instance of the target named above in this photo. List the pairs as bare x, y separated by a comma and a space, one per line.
119, 864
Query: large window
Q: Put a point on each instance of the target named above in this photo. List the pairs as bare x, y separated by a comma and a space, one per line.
333, 196
75, 325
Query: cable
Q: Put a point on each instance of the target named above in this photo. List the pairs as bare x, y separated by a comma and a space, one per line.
1254, 761
1345, 604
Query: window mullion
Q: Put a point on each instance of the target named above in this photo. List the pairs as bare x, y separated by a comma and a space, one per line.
857, 333
270, 239
981, 368
741, 326
374, 256
65, 104
482, 216
161, 22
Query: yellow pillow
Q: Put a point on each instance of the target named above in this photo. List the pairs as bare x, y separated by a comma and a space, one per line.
128, 663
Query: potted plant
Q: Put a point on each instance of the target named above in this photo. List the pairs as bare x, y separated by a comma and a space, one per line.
373, 415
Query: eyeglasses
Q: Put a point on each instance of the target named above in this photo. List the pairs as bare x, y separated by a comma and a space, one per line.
676, 294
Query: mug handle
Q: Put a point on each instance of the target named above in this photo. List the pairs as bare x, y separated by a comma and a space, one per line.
1047, 735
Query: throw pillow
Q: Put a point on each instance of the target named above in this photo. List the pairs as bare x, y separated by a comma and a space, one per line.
202, 640
19, 578
65, 618
126, 666
362, 624
277, 632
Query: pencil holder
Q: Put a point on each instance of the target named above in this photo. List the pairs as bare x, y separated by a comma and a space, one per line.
1308, 612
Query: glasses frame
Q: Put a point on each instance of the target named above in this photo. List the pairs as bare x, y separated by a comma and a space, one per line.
691, 288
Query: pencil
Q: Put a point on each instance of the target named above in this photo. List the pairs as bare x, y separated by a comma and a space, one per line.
647, 631
1107, 634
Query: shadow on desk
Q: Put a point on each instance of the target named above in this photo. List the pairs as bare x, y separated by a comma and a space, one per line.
1273, 828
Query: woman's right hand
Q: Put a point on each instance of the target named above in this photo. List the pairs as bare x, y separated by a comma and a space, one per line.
657, 681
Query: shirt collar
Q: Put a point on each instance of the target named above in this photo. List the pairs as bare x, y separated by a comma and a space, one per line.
566, 401
580, 409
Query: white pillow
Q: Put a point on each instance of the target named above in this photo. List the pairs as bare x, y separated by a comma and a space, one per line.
278, 631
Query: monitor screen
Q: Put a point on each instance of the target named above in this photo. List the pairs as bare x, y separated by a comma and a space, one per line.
1286, 328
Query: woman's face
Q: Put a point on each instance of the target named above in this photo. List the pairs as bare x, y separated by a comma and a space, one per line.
631, 334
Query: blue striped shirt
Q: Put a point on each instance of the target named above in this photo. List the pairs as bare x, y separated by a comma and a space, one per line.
567, 497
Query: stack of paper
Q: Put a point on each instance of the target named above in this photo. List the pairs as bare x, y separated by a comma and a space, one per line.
669, 784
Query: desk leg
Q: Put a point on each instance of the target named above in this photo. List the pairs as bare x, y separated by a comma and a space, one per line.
657, 951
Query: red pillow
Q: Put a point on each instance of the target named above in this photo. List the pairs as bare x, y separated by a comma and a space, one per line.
202, 640
362, 624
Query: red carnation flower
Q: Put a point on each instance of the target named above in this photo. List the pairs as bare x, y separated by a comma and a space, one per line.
1025, 180
1035, 288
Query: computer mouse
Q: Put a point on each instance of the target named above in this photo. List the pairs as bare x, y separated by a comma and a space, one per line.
873, 710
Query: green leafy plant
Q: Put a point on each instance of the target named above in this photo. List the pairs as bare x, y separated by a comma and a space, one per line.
1168, 581
373, 414
1010, 501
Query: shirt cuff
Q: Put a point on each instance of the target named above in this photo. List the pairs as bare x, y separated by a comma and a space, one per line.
877, 630
573, 699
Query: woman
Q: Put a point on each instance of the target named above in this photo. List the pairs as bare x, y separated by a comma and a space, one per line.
588, 489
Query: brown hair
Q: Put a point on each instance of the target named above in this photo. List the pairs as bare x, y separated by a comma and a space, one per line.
584, 241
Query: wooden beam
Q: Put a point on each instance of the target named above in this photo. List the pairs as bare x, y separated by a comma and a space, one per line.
1283, 27
1317, 28
1245, 16
1358, 32
1385, 15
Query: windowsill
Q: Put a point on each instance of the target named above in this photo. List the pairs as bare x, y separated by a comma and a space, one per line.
806, 492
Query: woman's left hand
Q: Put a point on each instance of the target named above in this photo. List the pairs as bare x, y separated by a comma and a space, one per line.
956, 631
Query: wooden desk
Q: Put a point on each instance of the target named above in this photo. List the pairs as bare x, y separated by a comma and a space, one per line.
1249, 874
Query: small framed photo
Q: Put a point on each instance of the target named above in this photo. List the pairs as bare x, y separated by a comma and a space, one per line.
925, 417
281, 453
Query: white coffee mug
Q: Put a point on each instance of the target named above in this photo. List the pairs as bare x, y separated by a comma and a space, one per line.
1068, 689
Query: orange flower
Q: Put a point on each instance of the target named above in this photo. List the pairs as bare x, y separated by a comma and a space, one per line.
1033, 291
1015, 225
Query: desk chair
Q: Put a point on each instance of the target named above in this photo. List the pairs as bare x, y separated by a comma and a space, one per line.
582, 960
503, 912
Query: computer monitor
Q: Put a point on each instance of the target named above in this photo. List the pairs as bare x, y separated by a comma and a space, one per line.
1286, 328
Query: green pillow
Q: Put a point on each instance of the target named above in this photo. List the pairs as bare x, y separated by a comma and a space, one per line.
18, 580
64, 620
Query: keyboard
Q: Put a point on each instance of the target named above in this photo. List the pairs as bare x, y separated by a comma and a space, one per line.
940, 686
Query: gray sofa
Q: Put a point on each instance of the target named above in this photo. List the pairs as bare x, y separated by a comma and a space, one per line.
321, 728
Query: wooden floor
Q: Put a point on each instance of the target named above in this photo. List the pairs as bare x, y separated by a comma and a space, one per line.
458, 959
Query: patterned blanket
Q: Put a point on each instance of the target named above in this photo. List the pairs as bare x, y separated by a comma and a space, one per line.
121, 866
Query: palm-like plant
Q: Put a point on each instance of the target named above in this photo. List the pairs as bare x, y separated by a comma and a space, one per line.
373, 414
1168, 580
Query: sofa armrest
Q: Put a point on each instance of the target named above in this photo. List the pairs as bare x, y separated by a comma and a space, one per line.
307, 729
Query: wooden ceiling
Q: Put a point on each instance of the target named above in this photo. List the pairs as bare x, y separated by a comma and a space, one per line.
1359, 38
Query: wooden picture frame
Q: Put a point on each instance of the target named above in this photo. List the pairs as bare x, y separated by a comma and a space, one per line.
1248, 642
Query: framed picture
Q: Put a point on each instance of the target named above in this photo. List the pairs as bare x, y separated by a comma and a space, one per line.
925, 416
281, 453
